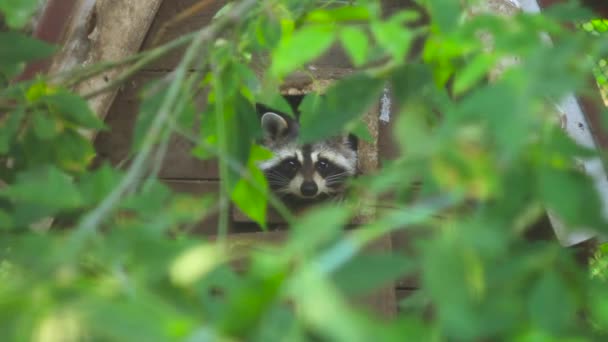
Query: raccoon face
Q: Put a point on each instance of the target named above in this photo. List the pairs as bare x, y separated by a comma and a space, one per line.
309, 171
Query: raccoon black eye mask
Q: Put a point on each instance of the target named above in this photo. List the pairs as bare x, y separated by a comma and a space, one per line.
307, 171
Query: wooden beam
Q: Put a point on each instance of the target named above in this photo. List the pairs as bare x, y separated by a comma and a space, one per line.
104, 30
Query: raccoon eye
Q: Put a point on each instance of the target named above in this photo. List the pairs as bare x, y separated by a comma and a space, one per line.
291, 164
322, 164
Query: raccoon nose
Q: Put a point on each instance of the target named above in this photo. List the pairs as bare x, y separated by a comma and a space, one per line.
309, 188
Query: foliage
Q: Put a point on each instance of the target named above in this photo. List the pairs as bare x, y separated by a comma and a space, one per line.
127, 269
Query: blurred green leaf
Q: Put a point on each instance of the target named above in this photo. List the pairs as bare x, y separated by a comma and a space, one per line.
74, 109
393, 36
473, 72
342, 13
318, 227
572, 197
17, 48
45, 127
445, 14
250, 194
48, 187
551, 304
303, 46
194, 263
95, 186
355, 42
17, 13
9, 128
370, 271
348, 99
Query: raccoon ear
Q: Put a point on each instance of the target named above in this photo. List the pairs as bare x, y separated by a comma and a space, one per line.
351, 141
274, 125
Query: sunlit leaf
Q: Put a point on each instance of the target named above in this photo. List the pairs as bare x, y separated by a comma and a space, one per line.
343, 13
355, 42
194, 263
303, 46
472, 73
250, 193
393, 36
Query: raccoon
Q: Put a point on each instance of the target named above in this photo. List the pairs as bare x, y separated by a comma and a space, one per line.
304, 172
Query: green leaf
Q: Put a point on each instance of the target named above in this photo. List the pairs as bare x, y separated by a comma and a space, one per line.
322, 117
73, 108
277, 101
370, 271
551, 304
17, 13
393, 36
17, 48
572, 196
48, 187
242, 127
45, 126
473, 72
250, 195
9, 128
72, 151
303, 46
343, 13
445, 14
96, 185
318, 227
355, 43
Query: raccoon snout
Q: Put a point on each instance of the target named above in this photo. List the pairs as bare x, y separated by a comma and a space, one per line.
309, 188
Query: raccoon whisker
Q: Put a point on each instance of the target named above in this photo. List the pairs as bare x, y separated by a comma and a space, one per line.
335, 178
274, 182
341, 174
278, 179
275, 175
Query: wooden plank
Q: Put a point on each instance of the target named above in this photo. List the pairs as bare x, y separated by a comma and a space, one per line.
104, 31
